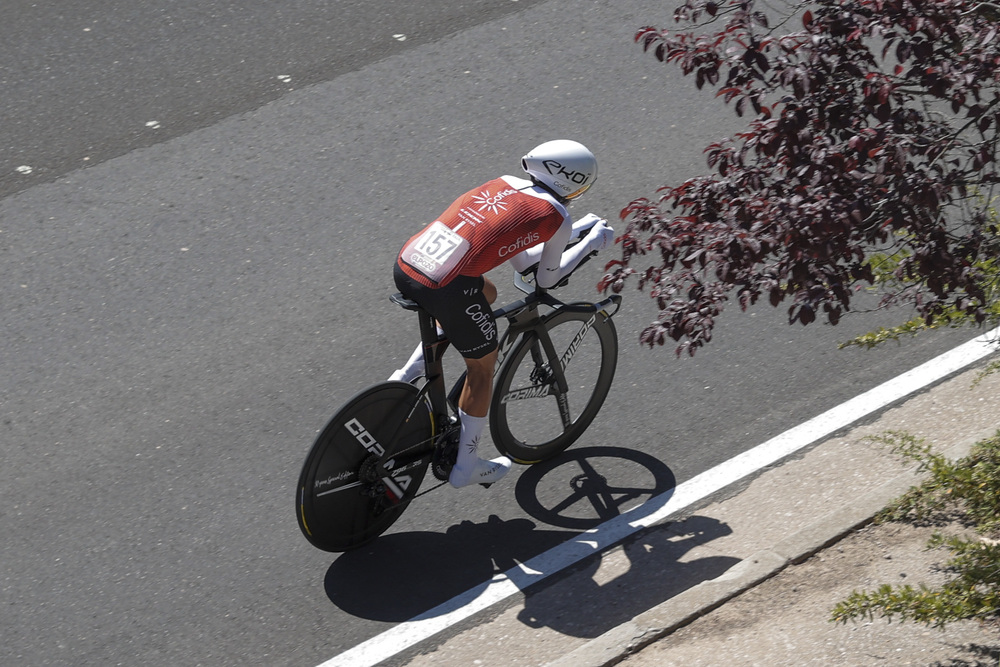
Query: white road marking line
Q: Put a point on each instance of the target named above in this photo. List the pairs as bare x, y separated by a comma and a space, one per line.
502, 586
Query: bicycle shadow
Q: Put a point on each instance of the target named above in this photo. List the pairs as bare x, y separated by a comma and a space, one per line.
584, 489
403, 575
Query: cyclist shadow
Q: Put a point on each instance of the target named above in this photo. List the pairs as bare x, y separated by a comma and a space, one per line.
403, 575
596, 600
586, 488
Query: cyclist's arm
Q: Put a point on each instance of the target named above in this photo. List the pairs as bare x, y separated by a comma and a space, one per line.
553, 260
547, 256
551, 267
556, 263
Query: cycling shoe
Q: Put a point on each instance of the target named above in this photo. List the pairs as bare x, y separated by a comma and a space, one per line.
484, 472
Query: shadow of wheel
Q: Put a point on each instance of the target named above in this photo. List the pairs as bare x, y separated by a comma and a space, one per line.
582, 488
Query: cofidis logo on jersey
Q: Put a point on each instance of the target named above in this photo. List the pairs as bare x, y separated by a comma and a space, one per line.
517, 246
492, 203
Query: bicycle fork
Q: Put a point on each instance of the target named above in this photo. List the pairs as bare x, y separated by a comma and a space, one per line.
549, 376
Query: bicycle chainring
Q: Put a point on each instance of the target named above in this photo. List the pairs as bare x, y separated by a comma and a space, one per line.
445, 455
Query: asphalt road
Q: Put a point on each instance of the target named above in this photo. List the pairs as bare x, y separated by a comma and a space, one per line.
87, 81
183, 315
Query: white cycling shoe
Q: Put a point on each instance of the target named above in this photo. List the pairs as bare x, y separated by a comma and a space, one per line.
484, 472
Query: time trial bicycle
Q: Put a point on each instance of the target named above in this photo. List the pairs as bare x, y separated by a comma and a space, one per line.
555, 365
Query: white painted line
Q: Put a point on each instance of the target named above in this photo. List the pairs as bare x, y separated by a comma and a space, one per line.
502, 586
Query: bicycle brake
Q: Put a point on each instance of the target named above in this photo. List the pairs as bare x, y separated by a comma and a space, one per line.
542, 374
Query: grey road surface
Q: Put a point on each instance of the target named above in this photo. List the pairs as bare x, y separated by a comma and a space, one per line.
89, 80
182, 316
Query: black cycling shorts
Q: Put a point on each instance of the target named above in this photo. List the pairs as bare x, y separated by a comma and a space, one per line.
460, 307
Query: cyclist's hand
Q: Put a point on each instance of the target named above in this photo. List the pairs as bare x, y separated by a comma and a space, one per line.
584, 225
600, 236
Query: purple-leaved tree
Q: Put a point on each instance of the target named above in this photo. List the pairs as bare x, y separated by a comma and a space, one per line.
869, 158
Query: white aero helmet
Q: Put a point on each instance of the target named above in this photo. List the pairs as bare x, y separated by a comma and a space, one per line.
567, 168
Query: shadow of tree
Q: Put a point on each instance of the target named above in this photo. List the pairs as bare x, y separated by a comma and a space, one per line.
981, 656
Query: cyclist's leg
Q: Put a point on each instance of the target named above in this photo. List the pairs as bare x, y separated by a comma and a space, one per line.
462, 309
473, 407
489, 290
469, 324
414, 366
478, 387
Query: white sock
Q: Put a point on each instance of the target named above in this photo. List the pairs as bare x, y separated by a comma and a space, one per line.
468, 441
414, 366
469, 468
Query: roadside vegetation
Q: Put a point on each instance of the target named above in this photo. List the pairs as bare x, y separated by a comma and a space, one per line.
868, 161
966, 491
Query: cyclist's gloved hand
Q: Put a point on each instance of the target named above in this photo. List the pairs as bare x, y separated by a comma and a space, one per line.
584, 225
600, 236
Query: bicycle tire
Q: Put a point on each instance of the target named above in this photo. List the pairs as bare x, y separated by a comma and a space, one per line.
526, 421
341, 503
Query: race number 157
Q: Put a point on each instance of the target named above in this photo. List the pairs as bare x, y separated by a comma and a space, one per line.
439, 242
438, 245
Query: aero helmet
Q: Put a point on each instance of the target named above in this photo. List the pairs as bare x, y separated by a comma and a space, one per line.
567, 168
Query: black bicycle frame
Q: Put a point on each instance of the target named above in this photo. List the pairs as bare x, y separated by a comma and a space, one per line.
434, 347
522, 316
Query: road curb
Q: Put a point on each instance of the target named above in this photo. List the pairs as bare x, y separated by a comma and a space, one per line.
650, 626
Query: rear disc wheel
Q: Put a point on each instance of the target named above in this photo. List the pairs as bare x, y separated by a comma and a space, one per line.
365, 467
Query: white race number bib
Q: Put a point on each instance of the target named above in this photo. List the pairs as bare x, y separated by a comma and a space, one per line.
436, 251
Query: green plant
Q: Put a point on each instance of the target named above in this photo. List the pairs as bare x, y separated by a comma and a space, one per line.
971, 486
888, 279
972, 593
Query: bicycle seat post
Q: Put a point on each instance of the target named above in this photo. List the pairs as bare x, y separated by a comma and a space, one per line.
434, 348
428, 335
433, 345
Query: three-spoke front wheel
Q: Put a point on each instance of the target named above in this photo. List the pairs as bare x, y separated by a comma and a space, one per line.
530, 418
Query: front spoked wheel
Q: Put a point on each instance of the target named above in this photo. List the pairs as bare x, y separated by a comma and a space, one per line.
365, 467
530, 419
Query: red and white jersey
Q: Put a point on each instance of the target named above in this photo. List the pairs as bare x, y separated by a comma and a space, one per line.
484, 228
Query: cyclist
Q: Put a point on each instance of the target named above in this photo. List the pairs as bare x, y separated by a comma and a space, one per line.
510, 219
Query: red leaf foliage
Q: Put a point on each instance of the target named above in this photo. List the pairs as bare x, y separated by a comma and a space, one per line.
849, 150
